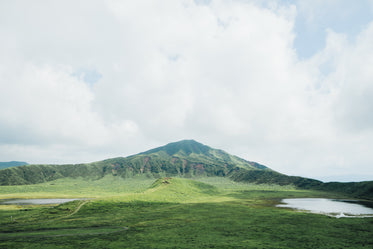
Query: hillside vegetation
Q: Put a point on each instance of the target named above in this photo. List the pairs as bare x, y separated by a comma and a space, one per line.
182, 195
354, 189
187, 159
143, 212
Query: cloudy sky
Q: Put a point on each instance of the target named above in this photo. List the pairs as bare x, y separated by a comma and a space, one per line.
288, 84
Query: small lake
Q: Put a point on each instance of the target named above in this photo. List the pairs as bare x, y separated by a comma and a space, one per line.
35, 201
331, 207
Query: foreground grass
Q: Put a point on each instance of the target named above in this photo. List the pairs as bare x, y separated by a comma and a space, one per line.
79, 188
175, 213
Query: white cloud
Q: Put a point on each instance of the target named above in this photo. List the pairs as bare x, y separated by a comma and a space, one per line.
346, 87
348, 79
47, 106
222, 72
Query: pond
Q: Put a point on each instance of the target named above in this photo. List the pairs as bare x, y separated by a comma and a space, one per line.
331, 207
35, 201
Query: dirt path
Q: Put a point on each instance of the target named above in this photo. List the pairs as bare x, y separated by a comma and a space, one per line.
64, 232
77, 209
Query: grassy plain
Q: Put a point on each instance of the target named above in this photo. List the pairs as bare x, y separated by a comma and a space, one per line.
143, 212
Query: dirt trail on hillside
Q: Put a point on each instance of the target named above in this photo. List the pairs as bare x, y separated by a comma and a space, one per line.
77, 209
64, 232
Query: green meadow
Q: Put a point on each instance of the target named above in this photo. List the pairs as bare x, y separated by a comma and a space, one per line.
144, 212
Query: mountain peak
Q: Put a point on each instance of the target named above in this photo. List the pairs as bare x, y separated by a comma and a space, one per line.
184, 146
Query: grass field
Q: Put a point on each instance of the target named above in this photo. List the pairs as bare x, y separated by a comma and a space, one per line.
144, 212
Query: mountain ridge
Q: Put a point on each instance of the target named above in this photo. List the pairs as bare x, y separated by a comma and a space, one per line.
192, 148
187, 159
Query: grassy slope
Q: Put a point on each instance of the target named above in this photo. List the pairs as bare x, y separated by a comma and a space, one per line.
186, 158
173, 213
139, 187
353, 189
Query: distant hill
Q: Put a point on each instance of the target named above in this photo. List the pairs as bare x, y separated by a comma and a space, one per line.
354, 189
187, 159
4, 165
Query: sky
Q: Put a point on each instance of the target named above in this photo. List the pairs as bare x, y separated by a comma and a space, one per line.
288, 84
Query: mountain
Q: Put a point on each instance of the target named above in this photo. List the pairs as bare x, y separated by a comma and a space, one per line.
187, 159
192, 151
4, 165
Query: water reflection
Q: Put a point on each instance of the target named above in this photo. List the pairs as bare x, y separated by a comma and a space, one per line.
35, 201
331, 207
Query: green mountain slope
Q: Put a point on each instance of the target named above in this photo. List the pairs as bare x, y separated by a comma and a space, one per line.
354, 189
186, 158
31, 174
272, 177
193, 151
179, 189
